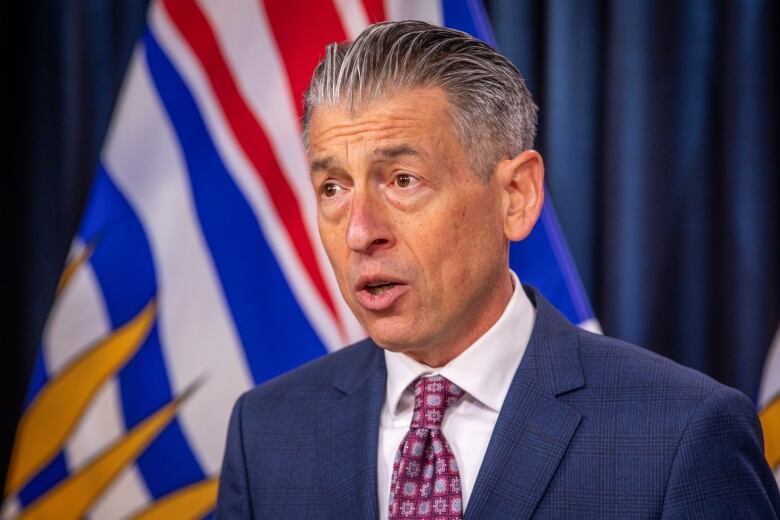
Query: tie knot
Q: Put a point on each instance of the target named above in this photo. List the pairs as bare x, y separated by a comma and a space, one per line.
432, 396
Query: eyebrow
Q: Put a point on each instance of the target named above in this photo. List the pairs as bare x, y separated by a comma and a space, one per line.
321, 164
391, 152
388, 152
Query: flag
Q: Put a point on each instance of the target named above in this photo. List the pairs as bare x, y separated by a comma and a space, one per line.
196, 272
769, 406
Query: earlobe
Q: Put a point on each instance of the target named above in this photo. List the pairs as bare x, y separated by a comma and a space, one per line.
522, 182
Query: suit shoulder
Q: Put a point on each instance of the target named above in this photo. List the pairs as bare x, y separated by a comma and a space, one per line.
318, 375
672, 432
608, 360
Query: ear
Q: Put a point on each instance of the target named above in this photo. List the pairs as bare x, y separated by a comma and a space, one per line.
521, 182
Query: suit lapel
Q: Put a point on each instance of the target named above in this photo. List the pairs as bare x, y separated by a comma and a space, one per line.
350, 435
534, 428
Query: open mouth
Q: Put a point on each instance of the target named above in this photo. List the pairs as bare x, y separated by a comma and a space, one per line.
379, 288
379, 293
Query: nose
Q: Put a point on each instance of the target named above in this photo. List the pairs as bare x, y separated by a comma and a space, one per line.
368, 229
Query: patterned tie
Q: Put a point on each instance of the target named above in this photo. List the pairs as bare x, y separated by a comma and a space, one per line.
425, 481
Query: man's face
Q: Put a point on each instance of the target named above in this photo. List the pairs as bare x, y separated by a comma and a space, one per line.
414, 236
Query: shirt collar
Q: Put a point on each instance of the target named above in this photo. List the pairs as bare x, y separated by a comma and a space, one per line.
485, 369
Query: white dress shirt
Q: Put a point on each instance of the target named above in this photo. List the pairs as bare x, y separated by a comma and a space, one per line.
484, 370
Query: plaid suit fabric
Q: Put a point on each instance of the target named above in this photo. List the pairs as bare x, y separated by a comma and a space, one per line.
591, 428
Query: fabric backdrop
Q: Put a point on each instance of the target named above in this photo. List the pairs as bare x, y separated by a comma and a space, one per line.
660, 134
659, 127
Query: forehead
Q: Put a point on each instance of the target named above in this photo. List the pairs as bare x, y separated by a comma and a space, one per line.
414, 116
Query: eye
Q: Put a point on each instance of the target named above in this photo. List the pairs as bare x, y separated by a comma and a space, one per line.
405, 180
330, 189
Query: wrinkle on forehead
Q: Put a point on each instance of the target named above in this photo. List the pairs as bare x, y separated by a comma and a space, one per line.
384, 152
375, 128
388, 119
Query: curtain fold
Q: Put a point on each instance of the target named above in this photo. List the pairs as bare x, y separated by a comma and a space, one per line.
67, 59
659, 128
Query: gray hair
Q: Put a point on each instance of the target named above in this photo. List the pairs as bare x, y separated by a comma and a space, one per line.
493, 114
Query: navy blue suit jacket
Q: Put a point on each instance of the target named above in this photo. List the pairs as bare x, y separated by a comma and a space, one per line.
591, 428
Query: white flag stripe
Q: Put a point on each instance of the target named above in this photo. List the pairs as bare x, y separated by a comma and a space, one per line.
10, 509
126, 493
102, 425
77, 319
591, 325
253, 190
249, 48
770, 385
426, 10
353, 16
262, 80
197, 333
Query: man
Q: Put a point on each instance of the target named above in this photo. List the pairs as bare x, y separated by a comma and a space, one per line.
473, 397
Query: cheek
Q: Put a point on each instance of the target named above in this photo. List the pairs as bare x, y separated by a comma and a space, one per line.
333, 243
443, 249
471, 240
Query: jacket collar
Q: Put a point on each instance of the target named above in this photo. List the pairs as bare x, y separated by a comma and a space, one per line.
529, 440
534, 428
350, 431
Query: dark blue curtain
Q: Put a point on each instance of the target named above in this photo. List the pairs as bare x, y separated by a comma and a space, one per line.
659, 127
65, 60
660, 132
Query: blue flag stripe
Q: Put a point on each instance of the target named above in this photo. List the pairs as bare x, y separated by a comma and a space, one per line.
575, 290
281, 337
127, 288
458, 16
38, 378
52, 474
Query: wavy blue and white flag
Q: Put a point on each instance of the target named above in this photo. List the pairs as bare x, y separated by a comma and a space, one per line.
197, 272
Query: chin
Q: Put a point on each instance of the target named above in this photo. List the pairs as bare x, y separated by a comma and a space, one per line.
394, 337
396, 330
393, 343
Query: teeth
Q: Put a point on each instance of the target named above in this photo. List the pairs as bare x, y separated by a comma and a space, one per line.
379, 288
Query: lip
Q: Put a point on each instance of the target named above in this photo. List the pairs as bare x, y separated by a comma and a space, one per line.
383, 300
